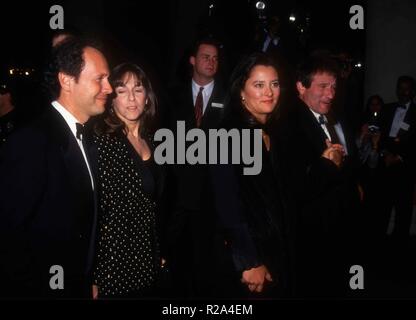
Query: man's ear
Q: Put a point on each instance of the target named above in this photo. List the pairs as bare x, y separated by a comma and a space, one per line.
300, 87
65, 81
192, 60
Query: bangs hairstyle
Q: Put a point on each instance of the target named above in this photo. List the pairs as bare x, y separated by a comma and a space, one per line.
110, 122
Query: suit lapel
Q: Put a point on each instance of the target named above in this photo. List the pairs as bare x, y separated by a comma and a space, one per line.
314, 133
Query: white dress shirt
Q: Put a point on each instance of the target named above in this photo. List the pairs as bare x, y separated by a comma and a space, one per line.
398, 120
206, 93
337, 128
71, 121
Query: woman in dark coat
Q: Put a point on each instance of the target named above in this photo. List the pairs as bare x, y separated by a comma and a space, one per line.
251, 208
128, 261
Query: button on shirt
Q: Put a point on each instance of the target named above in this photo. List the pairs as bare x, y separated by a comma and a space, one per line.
72, 121
206, 93
398, 120
337, 127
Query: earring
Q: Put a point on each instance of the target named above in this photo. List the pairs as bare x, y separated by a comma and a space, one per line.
242, 99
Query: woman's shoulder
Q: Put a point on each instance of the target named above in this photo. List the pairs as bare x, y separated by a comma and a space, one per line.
109, 140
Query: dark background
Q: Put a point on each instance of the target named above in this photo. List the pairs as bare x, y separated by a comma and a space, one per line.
156, 34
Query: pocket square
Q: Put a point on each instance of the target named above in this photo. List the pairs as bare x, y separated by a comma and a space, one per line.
217, 105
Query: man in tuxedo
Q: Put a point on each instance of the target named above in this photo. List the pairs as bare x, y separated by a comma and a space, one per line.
330, 200
199, 103
47, 204
398, 140
8, 113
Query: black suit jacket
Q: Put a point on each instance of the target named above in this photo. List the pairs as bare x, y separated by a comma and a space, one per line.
254, 211
192, 220
47, 211
182, 107
330, 192
404, 145
328, 207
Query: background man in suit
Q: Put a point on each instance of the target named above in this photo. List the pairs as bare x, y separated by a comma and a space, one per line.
47, 205
199, 103
8, 113
330, 200
398, 140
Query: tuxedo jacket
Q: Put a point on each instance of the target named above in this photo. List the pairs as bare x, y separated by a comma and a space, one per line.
47, 211
330, 194
326, 199
404, 144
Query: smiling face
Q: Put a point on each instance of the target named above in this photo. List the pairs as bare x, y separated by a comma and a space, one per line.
261, 92
320, 95
131, 99
90, 90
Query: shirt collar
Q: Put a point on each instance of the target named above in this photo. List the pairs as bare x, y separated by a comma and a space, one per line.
207, 88
68, 117
317, 115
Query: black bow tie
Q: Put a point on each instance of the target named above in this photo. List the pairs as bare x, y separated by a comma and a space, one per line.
322, 119
80, 130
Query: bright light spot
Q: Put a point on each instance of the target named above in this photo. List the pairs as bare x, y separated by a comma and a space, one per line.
292, 18
26, 73
358, 65
211, 6
11, 71
260, 5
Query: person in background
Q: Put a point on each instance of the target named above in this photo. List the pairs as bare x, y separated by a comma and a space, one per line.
398, 140
200, 104
8, 112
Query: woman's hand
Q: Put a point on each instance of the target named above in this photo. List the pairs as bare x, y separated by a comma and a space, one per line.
256, 278
94, 292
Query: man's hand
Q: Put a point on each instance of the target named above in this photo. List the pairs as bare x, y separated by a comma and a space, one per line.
256, 278
334, 152
94, 292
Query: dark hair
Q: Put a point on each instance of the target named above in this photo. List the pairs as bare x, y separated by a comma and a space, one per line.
67, 57
207, 41
110, 122
313, 65
410, 80
375, 96
239, 77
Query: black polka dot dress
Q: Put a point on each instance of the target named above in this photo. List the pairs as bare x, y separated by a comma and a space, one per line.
127, 254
